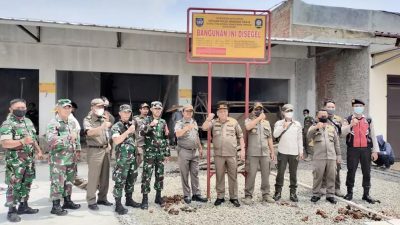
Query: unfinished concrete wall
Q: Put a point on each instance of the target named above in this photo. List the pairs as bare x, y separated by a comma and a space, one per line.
281, 20
342, 75
305, 86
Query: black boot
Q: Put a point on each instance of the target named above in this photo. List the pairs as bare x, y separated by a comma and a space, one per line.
349, 195
57, 209
366, 196
158, 199
277, 196
12, 215
25, 209
129, 201
293, 196
69, 204
119, 208
145, 202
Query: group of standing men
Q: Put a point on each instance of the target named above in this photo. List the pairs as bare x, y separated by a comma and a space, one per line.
145, 138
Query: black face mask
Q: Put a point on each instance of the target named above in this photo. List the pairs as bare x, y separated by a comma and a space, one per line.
19, 112
323, 119
258, 113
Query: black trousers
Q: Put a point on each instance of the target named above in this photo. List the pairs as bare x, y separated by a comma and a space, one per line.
283, 160
355, 156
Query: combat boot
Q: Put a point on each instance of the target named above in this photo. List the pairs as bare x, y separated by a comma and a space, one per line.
69, 204
158, 199
349, 195
368, 198
57, 210
24, 208
119, 208
12, 215
130, 202
145, 202
293, 196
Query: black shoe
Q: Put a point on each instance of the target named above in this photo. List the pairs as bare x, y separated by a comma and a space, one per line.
119, 208
199, 198
69, 204
277, 196
235, 202
219, 201
348, 196
93, 207
368, 199
57, 210
25, 209
315, 198
104, 202
130, 202
145, 202
12, 215
293, 197
158, 199
187, 199
331, 200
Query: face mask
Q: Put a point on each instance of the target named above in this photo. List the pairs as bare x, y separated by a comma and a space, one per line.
358, 110
257, 113
323, 119
305, 115
19, 112
289, 115
330, 111
99, 112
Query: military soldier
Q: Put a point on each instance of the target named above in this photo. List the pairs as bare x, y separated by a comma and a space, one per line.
125, 155
187, 133
290, 150
63, 143
226, 133
18, 137
362, 146
141, 121
308, 122
337, 122
260, 153
96, 127
326, 156
156, 153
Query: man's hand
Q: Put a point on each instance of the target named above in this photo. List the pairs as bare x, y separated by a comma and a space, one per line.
354, 122
106, 125
210, 117
374, 156
320, 125
73, 137
190, 126
338, 161
28, 140
131, 129
154, 123
261, 116
301, 157
286, 124
272, 156
39, 154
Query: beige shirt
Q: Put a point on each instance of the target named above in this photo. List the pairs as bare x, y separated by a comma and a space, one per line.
93, 121
326, 142
258, 138
226, 136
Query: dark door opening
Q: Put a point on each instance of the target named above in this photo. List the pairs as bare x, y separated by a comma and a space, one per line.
393, 113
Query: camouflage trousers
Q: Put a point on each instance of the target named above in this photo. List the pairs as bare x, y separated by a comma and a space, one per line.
19, 177
124, 175
153, 161
61, 178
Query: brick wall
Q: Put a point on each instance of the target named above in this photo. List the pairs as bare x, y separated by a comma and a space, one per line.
280, 21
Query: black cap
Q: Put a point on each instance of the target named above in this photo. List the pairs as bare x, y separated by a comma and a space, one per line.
222, 106
357, 101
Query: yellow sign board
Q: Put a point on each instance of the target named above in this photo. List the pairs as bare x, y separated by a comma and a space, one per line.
47, 87
228, 36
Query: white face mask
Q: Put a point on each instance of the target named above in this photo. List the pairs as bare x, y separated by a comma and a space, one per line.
99, 112
289, 115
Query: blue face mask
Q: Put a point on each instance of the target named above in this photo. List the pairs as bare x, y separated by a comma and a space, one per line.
359, 109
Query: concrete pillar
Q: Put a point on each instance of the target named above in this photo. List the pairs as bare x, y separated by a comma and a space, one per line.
185, 89
47, 97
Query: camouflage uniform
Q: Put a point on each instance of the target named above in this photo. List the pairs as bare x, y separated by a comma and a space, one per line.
156, 148
125, 170
308, 122
20, 164
62, 157
140, 122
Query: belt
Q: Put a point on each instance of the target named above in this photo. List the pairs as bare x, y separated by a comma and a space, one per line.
190, 149
102, 146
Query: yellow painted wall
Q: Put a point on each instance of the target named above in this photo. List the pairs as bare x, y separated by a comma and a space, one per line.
378, 90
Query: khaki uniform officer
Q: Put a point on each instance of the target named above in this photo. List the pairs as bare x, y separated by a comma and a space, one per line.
187, 133
97, 128
326, 155
226, 134
259, 154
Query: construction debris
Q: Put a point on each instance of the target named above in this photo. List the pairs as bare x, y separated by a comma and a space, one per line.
357, 214
305, 219
188, 209
322, 213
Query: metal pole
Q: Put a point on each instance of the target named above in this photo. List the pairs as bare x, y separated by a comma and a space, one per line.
246, 110
22, 86
209, 132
